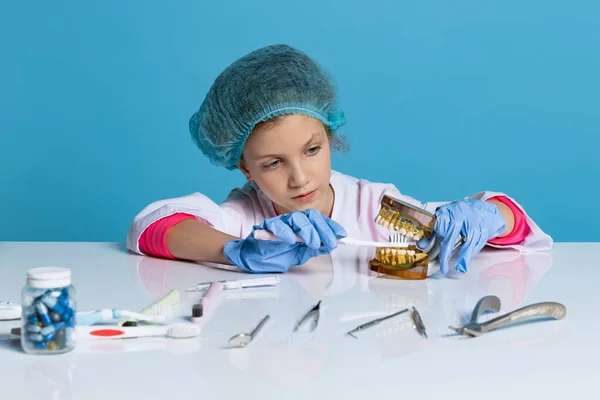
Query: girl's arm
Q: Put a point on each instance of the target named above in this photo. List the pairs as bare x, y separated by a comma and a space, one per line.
517, 226
196, 241
507, 214
191, 227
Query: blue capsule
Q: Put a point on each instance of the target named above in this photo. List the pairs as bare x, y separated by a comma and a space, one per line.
40, 345
47, 330
28, 311
43, 313
63, 301
30, 314
53, 328
35, 337
60, 325
68, 313
33, 328
52, 303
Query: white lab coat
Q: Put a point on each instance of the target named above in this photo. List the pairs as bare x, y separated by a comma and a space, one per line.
357, 203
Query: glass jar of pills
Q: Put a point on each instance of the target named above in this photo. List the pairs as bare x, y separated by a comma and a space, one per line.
48, 311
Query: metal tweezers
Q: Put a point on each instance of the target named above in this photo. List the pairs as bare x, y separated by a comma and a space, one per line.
313, 313
374, 322
474, 328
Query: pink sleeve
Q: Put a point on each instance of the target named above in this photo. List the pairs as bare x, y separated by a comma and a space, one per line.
521, 228
154, 239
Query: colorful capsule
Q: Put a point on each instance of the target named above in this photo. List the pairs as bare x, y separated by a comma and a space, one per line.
43, 313
40, 345
33, 328
53, 304
35, 337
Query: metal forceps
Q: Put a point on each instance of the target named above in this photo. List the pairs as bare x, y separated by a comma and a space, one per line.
374, 322
474, 328
313, 313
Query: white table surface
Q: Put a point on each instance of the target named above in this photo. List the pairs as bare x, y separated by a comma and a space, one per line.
547, 359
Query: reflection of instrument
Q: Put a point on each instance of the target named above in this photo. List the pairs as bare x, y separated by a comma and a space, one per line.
406, 222
474, 328
397, 339
391, 293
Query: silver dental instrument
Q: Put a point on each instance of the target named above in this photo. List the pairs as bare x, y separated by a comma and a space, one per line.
474, 328
419, 325
272, 280
374, 322
242, 339
313, 313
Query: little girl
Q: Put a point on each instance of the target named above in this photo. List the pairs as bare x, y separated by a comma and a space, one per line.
274, 115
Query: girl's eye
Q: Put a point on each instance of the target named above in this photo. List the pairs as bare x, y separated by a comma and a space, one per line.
313, 150
274, 164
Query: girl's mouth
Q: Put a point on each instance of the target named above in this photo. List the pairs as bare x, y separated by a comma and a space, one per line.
305, 198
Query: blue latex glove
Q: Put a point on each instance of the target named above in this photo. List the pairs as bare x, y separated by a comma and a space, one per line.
318, 233
477, 220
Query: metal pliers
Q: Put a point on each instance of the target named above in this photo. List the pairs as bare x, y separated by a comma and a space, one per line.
474, 328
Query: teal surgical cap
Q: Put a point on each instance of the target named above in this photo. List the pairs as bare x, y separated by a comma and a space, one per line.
271, 81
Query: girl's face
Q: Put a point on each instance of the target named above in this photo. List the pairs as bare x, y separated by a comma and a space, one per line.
290, 161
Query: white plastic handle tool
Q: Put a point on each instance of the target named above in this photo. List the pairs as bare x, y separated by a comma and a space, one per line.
247, 283
9, 310
263, 234
121, 332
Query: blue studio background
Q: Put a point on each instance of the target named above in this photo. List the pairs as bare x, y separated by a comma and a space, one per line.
443, 99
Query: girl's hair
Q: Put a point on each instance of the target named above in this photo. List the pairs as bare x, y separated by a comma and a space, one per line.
270, 81
337, 141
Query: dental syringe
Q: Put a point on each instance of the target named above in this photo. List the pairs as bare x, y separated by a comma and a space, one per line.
272, 280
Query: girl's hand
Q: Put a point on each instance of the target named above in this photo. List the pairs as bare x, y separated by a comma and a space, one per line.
319, 235
477, 220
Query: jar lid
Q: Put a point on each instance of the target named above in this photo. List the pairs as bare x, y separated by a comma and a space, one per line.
48, 277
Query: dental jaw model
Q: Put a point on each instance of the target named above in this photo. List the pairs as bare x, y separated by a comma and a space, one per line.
409, 263
406, 223
406, 220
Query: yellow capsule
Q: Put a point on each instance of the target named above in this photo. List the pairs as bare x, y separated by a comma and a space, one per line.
51, 346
